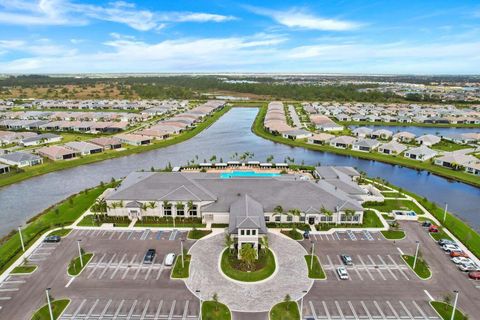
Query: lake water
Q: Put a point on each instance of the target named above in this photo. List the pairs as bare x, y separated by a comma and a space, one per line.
230, 134
418, 131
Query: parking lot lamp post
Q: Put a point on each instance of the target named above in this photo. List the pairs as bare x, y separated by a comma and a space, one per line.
301, 304
80, 253
445, 212
181, 252
416, 254
454, 304
200, 299
21, 238
311, 258
47, 291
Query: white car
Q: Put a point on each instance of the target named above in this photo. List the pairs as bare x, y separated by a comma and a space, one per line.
342, 273
169, 259
468, 267
462, 260
451, 248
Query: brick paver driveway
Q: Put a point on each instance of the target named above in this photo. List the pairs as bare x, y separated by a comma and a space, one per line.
291, 276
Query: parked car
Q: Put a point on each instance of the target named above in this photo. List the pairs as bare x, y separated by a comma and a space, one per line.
342, 273
306, 234
426, 224
468, 267
475, 275
169, 259
451, 247
458, 254
433, 229
52, 239
462, 260
445, 241
347, 260
149, 256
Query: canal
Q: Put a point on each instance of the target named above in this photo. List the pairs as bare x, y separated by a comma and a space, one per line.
230, 134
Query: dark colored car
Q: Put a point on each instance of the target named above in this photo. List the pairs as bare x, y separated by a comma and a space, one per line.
306, 234
347, 260
149, 256
426, 224
52, 239
475, 275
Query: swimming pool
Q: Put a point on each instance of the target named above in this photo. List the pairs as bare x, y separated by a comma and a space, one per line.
235, 174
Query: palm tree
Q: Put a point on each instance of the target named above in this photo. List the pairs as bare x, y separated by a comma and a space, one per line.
215, 300
190, 206
264, 243
228, 242
349, 213
152, 204
248, 255
278, 210
326, 212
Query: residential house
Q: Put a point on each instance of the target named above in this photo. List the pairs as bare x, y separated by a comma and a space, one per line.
342, 142
362, 132
296, 134
20, 159
43, 138
84, 148
133, 139
382, 134
4, 168
421, 153
456, 160
459, 138
56, 153
365, 145
404, 136
320, 138
107, 143
428, 140
392, 147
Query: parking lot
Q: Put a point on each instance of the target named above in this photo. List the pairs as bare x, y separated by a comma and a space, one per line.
116, 284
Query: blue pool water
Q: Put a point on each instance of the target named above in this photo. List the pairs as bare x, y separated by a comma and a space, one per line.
234, 174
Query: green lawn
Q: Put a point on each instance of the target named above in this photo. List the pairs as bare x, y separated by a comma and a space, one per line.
92, 221
285, 311
198, 234
75, 266
24, 269
61, 214
370, 220
394, 194
219, 225
316, 272
232, 267
61, 233
50, 166
445, 145
178, 272
445, 311
288, 225
293, 234
58, 306
212, 310
421, 269
259, 130
391, 205
168, 222
394, 234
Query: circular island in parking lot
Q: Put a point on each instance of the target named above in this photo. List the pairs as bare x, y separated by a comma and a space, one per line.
287, 274
260, 267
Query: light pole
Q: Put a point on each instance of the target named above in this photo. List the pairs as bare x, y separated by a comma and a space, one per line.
311, 258
80, 253
445, 213
181, 252
47, 292
416, 254
21, 238
301, 304
454, 304
200, 299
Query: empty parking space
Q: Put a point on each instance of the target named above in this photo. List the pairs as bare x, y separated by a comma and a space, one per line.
348, 236
133, 235
368, 309
42, 252
368, 267
11, 286
108, 309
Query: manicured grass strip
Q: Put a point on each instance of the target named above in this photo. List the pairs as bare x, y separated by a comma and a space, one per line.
50, 166
212, 310
421, 269
92, 221
266, 271
391, 205
288, 225
285, 311
61, 233
316, 272
219, 225
440, 235
393, 234
61, 214
75, 267
460, 229
293, 234
178, 272
259, 130
180, 222
24, 269
198, 234
389, 194
58, 306
445, 311
370, 220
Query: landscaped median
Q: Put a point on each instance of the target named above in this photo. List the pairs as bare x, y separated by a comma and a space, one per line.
393, 234
259, 130
24, 269
293, 234
287, 310
59, 215
316, 270
421, 267
214, 310
58, 306
370, 220
196, 234
445, 310
50, 166
255, 270
179, 271
75, 266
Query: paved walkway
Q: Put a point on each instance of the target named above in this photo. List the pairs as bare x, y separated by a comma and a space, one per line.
291, 276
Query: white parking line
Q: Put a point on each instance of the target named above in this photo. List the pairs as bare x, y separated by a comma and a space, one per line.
185, 310
145, 309
118, 309
326, 309
95, 266
159, 309
393, 310
379, 309
121, 235
366, 310
405, 309
172, 309
128, 268
107, 266
9, 290
102, 314
339, 310
378, 269
5, 298
78, 309
365, 267
352, 309
419, 309
118, 266
159, 271
386, 267
132, 309
312, 308
428, 295
92, 308
150, 268
111, 236
397, 266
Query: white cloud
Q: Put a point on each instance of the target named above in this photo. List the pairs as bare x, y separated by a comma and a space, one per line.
65, 12
297, 18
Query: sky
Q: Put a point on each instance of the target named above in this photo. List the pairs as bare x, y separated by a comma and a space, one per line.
213, 36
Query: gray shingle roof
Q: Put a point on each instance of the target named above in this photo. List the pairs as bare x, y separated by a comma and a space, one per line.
246, 213
19, 157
